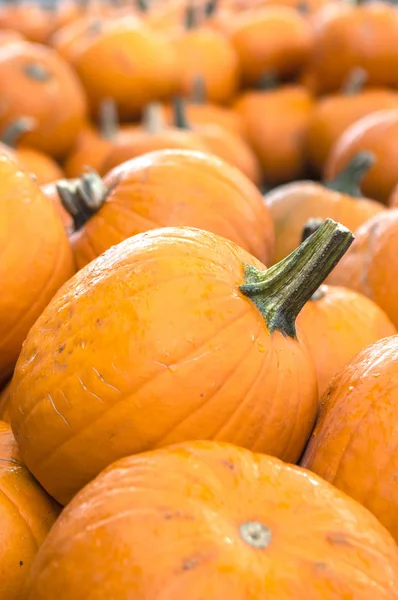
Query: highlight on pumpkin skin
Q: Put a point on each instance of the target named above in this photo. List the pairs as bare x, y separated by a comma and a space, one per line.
224, 522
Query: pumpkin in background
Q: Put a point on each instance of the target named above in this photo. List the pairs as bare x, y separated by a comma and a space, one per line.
223, 362
376, 133
35, 82
275, 124
5, 404
333, 114
348, 36
371, 267
354, 443
293, 204
10, 35
226, 523
168, 187
51, 192
207, 53
36, 259
26, 516
276, 40
138, 65
393, 199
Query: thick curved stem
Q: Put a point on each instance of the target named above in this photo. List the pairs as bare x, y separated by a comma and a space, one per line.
355, 81
108, 119
349, 180
82, 198
14, 130
281, 292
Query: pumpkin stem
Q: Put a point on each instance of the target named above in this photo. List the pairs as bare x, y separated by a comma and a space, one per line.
255, 534
14, 130
303, 7
37, 72
153, 117
309, 228
280, 292
349, 179
191, 20
199, 90
210, 8
179, 113
82, 198
355, 81
108, 119
268, 81
143, 5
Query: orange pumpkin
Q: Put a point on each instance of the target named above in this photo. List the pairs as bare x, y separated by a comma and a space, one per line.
333, 114
371, 267
138, 65
234, 521
36, 259
353, 445
224, 362
349, 36
293, 204
26, 516
275, 124
5, 404
276, 39
10, 35
168, 187
393, 199
376, 133
205, 52
35, 82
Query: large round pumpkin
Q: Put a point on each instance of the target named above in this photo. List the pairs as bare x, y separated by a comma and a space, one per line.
26, 516
210, 520
174, 334
168, 188
36, 259
354, 443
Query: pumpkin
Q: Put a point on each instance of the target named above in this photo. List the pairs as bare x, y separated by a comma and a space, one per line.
370, 267
348, 36
35, 82
275, 124
10, 35
334, 113
5, 403
138, 65
393, 199
291, 205
168, 187
276, 39
51, 192
240, 524
353, 444
36, 259
26, 516
225, 144
207, 53
375, 133
219, 364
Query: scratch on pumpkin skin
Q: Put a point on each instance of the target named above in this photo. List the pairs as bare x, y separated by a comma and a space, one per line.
56, 410
87, 390
104, 381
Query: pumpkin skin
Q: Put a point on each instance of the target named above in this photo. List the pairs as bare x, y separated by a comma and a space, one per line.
370, 265
5, 404
35, 82
26, 516
350, 36
375, 133
89, 150
33, 244
393, 199
353, 444
173, 188
51, 192
10, 35
275, 39
78, 394
43, 167
338, 323
279, 140
333, 114
199, 499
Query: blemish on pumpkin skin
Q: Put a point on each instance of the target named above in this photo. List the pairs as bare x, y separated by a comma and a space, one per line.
190, 563
61, 348
338, 539
228, 464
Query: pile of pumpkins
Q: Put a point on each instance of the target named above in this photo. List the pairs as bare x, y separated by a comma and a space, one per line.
198, 307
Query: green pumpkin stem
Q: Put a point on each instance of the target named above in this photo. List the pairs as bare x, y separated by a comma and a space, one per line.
191, 17
82, 198
143, 5
268, 81
108, 119
210, 8
15, 129
37, 72
280, 292
153, 120
349, 180
199, 90
180, 119
309, 228
355, 81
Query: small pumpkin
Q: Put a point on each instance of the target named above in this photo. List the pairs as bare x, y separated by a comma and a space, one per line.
223, 362
36, 259
275, 125
353, 444
376, 133
370, 267
333, 114
239, 525
26, 516
5, 404
168, 187
35, 82
275, 39
291, 205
